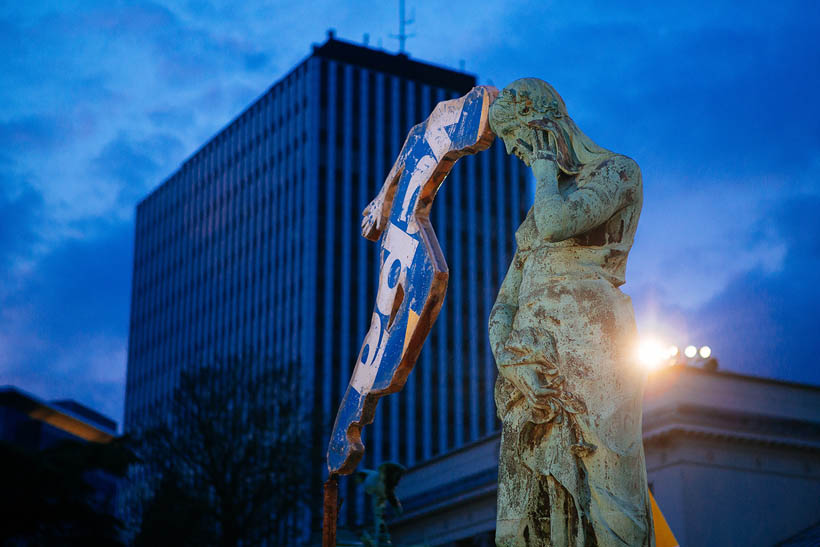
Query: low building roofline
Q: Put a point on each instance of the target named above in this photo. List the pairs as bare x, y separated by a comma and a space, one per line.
56, 416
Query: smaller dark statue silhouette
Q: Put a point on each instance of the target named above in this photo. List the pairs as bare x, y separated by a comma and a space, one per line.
381, 485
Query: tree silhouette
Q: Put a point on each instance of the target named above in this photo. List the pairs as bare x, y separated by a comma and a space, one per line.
228, 458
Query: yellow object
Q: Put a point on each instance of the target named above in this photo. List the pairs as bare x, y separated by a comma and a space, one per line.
412, 319
663, 534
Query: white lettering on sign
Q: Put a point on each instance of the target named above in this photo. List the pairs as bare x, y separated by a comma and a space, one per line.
399, 249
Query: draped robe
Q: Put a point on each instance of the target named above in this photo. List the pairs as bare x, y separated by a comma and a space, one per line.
572, 470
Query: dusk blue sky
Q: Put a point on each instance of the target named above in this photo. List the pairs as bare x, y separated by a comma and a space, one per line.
717, 102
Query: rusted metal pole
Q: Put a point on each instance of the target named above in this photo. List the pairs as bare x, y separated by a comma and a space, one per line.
331, 511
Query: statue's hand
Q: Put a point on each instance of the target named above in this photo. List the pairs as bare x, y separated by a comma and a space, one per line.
532, 381
543, 144
544, 165
527, 359
373, 221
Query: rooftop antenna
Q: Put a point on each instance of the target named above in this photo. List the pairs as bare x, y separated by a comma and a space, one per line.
402, 35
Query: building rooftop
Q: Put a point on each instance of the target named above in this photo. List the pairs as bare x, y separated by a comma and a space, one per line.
84, 412
399, 64
67, 415
687, 388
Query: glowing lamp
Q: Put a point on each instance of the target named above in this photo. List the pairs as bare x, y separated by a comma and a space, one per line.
651, 353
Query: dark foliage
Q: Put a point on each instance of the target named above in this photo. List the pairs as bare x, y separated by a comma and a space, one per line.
174, 517
58, 496
228, 458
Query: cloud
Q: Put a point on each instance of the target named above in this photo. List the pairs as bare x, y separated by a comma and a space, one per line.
21, 213
102, 101
692, 242
768, 321
29, 133
134, 165
100, 105
82, 80
765, 321
705, 92
65, 328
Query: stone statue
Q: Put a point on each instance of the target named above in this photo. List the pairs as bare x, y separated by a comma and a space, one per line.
569, 392
381, 486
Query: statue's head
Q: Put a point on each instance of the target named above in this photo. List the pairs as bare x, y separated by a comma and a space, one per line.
529, 105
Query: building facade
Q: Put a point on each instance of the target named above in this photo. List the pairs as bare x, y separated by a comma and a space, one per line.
254, 245
731, 460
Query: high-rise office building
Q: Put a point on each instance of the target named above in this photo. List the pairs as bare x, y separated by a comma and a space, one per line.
254, 244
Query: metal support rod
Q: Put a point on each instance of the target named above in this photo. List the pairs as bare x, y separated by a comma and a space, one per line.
403, 22
331, 511
402, 35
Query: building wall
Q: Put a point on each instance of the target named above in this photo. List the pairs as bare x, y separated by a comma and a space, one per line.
451, 497
719, 493
210, 249
732, 459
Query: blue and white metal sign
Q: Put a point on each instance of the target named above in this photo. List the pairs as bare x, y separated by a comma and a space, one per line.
413, 272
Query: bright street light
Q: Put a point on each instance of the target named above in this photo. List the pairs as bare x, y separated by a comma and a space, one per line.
705, 352
651, 353
690, 351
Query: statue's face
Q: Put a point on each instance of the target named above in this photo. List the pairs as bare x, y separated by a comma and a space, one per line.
517, 138
532, 120
509, 116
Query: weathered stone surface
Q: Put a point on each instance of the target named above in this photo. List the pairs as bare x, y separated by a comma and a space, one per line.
571, 468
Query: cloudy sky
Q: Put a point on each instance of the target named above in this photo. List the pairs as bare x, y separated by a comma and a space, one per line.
717, 102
